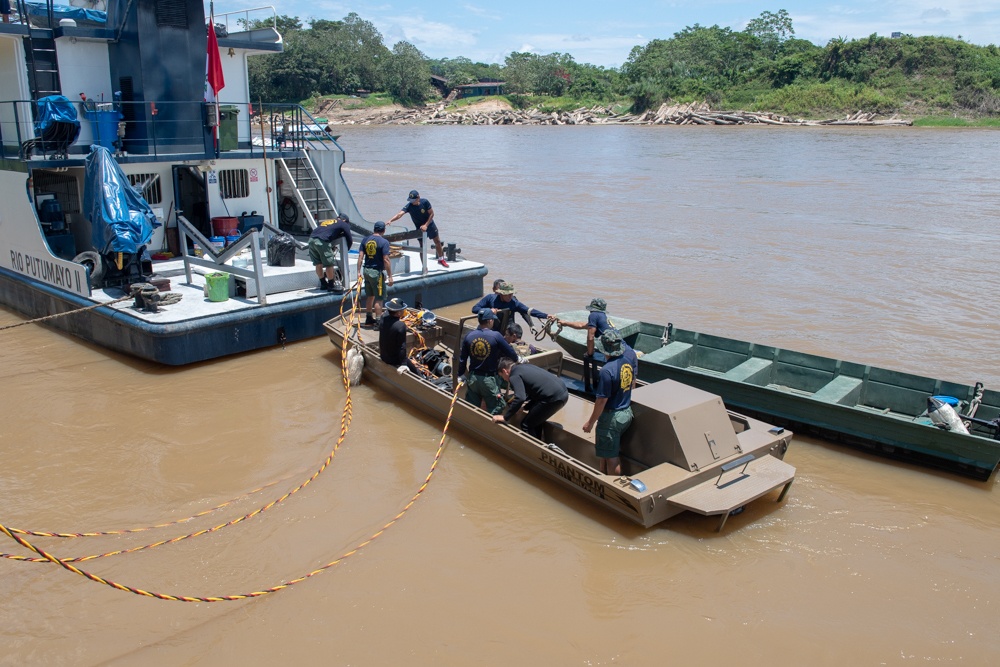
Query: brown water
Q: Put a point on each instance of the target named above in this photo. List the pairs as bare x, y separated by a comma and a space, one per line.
874, 246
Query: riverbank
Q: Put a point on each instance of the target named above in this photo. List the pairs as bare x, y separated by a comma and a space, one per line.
496, 111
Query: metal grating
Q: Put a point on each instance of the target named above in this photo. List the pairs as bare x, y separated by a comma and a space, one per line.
171, 13
234, 183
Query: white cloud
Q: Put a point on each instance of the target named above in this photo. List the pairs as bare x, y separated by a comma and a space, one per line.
935, 13
483, 13
431, 37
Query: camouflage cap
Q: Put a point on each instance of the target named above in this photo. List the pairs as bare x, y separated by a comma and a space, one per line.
612, 343
597, 304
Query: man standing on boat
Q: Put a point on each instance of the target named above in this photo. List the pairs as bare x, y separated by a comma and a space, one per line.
613, 403
481, 353
375, 266
321, 249
597, 323
540, 392
422, 214
504, 304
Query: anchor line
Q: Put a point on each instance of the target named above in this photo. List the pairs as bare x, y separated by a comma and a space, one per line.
68, 312
345, 420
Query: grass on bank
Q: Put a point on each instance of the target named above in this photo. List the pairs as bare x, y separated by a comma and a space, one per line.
951, 121
351, 102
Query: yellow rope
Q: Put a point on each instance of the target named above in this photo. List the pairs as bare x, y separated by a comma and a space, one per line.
345, 420
68, 312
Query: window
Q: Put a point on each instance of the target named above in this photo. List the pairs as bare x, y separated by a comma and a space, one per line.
234, 183
148, 186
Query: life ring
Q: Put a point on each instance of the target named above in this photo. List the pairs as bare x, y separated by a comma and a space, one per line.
95, 267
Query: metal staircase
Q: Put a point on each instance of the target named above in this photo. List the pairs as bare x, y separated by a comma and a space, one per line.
313, 199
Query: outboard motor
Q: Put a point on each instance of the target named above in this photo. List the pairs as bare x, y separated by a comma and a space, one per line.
944, 416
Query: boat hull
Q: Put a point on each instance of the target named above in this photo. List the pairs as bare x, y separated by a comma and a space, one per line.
860, 406
566, 456
208, 337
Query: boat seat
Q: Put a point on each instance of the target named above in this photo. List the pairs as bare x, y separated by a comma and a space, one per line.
750, 369
844, 390
665, 354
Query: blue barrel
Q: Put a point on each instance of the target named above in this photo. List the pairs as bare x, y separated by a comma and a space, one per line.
104, 125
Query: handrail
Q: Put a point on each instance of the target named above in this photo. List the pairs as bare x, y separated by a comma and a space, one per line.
176, 128
246, 13
325, 135
303, 207
250, 239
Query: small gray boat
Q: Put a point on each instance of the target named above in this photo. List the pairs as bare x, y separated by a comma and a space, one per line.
922, 420
684, 451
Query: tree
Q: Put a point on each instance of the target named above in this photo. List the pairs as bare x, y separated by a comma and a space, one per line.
519, 72
407, 74
770, 27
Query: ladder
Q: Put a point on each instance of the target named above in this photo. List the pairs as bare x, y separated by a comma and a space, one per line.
311, 194
43, 65
40, 53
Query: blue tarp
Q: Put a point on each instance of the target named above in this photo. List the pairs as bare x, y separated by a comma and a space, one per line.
54, 109
121, 219
78, 14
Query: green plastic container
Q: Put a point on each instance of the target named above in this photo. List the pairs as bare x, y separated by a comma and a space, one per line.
228, 130
218, 286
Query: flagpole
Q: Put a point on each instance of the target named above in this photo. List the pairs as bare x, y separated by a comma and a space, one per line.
263, 144
215, 93
213, 45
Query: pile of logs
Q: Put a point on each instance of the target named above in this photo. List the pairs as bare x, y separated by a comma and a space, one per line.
667, 114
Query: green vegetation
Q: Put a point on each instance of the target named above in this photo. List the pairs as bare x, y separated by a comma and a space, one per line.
940, 121
761, 68
351, 102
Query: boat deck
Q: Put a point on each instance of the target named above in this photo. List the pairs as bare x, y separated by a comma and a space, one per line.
301, 279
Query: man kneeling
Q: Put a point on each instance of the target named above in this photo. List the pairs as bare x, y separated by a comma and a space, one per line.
540, 393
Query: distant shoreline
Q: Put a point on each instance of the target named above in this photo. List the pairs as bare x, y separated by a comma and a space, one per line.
498, 112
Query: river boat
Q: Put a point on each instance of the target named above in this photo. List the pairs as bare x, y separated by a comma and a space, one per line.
684, 451
877, 409
139, 217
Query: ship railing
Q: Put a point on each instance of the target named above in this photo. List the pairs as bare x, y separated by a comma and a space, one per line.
245, 21
198, 130
210, 259
407, 237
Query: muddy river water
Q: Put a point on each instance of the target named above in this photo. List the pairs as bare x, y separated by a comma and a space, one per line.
874, 245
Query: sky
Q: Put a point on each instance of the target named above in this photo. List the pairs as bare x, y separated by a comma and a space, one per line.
603, 32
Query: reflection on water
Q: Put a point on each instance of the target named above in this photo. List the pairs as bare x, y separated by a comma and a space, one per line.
873, 246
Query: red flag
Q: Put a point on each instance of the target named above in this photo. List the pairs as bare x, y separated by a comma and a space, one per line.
213, 66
